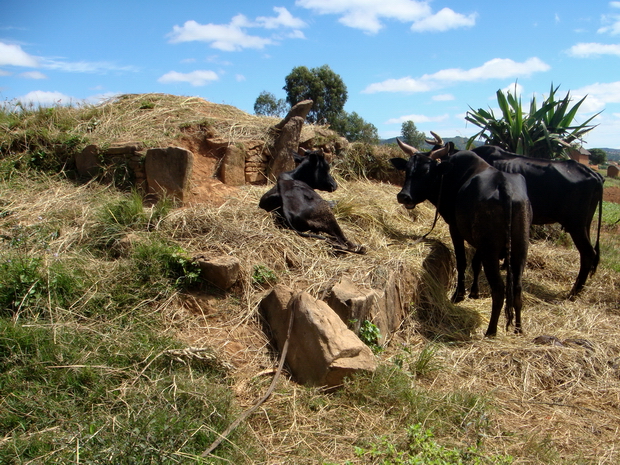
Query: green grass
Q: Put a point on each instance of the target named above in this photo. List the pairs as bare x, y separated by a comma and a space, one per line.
86, 375
420, 447
610, 240
115, 404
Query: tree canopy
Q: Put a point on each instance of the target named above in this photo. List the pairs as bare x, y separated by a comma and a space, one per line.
321, 85
411, 135
266, 104
355, 129
597, 156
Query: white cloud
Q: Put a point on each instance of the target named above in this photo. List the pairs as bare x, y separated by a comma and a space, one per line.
498, 68
13, 55
84, 66
417, 119
368, 15
195, 78
44, 98
240, 78
598, 95
234, 36
444, 20
33, 75
406, 84
284, 19
584, 50
229, 38
611, 23
443, 97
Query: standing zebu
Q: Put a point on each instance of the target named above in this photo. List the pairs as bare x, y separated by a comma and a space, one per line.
561, 191
483, 206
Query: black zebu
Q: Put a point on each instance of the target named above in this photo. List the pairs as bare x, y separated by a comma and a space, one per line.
311, 169
483, 206
560, 191
300, 208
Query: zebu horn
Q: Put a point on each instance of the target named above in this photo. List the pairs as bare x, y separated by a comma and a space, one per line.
440, 153
438, 140
408, 149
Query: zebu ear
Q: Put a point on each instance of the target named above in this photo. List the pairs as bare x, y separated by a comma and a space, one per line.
399, 163
298, 158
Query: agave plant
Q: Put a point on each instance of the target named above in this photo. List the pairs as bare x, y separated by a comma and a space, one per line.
544, 132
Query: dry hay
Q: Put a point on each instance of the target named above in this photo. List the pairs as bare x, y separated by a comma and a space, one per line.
566, 398
158, 120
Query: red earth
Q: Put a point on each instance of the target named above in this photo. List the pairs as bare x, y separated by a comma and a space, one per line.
611, 194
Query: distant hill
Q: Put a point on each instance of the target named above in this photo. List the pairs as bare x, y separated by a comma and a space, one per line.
459, 142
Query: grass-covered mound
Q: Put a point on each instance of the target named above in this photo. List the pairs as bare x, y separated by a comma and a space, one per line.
111, 351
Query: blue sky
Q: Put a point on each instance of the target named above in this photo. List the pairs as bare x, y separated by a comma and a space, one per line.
425, 61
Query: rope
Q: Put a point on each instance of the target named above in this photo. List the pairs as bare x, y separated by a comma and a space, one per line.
255, 407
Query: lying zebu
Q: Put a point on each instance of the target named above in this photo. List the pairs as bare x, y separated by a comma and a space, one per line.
483, 206
300, 208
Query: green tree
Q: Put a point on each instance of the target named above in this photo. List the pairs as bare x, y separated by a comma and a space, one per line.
597, 156
266, 104
544, 132
353, 127
324, 87
411, 135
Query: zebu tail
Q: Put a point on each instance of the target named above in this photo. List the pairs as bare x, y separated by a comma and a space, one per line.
506, 200
597, 247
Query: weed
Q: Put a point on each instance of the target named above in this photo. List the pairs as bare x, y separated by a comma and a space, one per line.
370, 334
157, 259
263, 275
145, 105
422, 364
420, 448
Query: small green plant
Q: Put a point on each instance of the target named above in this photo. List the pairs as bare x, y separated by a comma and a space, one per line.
370, 335
263, 275
421, 448
541, 133
422, 364
157, 259
21, 283
146, 105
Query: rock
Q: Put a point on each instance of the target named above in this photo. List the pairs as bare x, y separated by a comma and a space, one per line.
299, 110
547, 340
232, 169
322, 350
87, 162
121, 148
287, 139
168, 171
222, 272
351, 304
